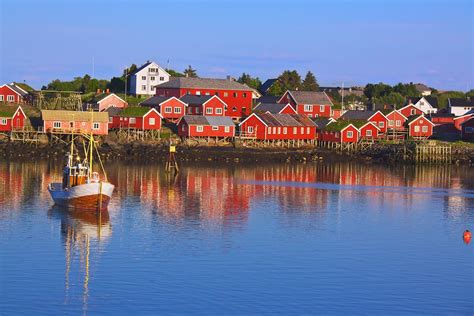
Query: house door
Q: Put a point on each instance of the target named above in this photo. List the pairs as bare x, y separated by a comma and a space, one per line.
71, 125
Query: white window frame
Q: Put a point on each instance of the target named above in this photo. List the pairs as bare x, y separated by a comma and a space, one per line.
4, 121
132, 120
269, 130
285, 130
295, 130
199, 128
177, 110
215, 128
226, 94
1, 98
308, 130
424, 129
95, 126
350, 134
391, 123
218, 111
56, 124
198, 93
152, 78
250, 129
382, 124
398, 123
308, 108
368, 133
143, 77
209, 111
416, 128
227, 129
10, 98
302, 130
143, 87
168, 109
151, 121
321, 108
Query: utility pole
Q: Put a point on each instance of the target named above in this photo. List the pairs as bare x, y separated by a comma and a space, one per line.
342, 93
126, 75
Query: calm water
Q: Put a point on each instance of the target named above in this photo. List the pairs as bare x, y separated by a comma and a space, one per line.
236, 240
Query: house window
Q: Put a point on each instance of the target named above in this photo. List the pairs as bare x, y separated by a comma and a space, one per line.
424, 129
132, 120
151, 121
162, 78
143, 77
269, 130
152, 78
177, 109
57, 124
10, 98
226, 94
183, 128
250, 129
152, 88
95, 126
199, 128
215, 128
198, 92
368, 133
308, 130
110, 119
279, 130
227, 129
321, 108
382, 124
235, 94
417, 129
284, 130
218, 111
4, 121
412, 112
209, 111
274, 130
398, 123
1, 98
168, 109
244, 109
308, 108
143, 88
302, 130
208, 93
390, 123
295, 130
234, 109
422, 103
349, 134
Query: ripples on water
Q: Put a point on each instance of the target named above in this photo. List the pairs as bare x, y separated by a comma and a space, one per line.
326, 238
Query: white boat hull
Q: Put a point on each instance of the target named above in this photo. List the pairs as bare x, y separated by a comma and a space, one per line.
89, 195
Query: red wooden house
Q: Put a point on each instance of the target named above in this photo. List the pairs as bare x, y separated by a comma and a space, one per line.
274, 108
310, 103
419, 126
368, 131
137, 117
410, 110
237, 96
339, 132
59, 121
11, 118
103, 101
458, 121
396, 120
204, 105
173, 109
467, 130
376, 117
268, 126
206, 126
12, 93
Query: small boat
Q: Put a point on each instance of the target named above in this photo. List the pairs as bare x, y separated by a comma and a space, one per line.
81, 187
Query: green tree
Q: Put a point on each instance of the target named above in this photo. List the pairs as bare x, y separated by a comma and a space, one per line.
249, 81
117, 84
393, 98
377, 90
190, 72
276, 89
290, 80
443, 97
310, 83
470, 93
174, 73
407, 89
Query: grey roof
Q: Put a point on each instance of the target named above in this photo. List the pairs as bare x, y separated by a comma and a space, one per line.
17, 89
322, 122
267, 85
154, 101
357, 115
274, 108
203, 83
310, 97
142, 66
285, 119
113, 111
195, 99
208, 120
268, 99
220, 120
461, 102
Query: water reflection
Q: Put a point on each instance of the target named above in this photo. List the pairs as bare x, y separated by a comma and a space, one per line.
83, 234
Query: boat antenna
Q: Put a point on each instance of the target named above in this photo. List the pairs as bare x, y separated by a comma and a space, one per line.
91, 144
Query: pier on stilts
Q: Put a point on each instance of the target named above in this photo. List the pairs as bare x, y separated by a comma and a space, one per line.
171, 162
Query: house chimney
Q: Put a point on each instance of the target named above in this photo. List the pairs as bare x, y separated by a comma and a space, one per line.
98, 91
229, 78
107, 91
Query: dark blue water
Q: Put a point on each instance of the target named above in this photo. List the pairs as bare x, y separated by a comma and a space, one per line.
280, 239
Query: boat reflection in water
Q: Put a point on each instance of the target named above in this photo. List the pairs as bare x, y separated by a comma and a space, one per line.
83, 233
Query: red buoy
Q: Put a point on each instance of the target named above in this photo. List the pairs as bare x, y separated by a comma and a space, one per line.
467, 236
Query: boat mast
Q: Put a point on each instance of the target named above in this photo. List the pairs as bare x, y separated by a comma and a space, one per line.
91, 143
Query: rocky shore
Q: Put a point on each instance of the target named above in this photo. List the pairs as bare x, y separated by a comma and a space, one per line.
144, 152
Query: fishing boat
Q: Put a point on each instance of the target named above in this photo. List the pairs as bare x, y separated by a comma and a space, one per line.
81, 186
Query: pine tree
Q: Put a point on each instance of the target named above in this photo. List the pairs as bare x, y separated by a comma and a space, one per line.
190, 72
310, 83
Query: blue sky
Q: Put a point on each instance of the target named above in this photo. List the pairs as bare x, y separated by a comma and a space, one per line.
352, 41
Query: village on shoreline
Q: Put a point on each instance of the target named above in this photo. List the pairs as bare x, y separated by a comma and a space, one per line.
159, 107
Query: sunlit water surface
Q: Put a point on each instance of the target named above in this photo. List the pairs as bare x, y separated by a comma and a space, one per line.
325, 238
